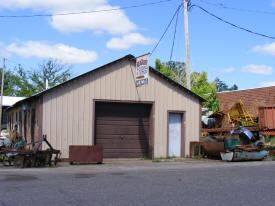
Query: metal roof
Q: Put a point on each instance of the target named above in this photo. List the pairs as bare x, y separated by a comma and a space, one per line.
9, 101
130, 58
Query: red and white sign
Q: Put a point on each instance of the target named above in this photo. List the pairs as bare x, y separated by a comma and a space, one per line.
142, 70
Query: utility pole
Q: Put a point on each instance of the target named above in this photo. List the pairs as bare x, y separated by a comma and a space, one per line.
187, 61
2, 89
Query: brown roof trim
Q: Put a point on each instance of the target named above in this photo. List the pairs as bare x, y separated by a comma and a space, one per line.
240, 90
130, 58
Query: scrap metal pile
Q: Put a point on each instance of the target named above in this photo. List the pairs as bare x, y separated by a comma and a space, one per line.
16, 151
236, 116
236, 134
239, 145
242, 145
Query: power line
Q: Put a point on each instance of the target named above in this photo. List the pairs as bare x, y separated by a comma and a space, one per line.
166, 29
84, 12
237, 9
175, 31
231, 24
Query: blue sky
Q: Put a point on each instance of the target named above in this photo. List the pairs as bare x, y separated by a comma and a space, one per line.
89, 40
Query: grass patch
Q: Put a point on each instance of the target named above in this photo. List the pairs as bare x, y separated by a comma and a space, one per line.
52, 166
156, 160
163, 159
197, 157
270, 139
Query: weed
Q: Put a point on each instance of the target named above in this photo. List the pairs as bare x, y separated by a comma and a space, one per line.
272, 140
156, 160
145, 158
267, 138
163, 159
197, 157
170, 157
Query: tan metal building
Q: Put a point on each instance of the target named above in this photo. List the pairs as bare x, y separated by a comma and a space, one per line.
104, 107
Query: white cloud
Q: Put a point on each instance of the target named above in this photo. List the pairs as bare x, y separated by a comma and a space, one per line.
3, 51
128, 41
273, 3
228, 70
267, 84
61, 52
49, 5
114, 22
257, 69
268, 49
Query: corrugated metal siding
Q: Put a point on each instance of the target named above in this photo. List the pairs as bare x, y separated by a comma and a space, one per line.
36, 105
68, 110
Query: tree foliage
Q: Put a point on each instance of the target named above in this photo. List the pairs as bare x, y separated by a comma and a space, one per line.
208, 90
9, 83
199, 82
222, 86
24, 83
173, 70
51, 70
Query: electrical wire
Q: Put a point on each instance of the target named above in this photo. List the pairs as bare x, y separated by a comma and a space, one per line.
175, 31
166, 29
231, 24
84, 12
237, 9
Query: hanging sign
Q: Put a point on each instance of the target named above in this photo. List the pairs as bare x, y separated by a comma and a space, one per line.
142, 70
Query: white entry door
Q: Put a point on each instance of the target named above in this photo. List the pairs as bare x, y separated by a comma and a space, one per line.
174, 138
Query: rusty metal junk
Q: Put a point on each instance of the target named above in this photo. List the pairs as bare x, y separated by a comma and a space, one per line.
19, 154
267, 117
236, 116
250, 130
85, 154
239, 145
213, 149
234, 151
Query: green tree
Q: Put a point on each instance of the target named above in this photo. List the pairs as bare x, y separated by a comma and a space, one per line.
222, 86
9, 83
52, 71
25, 83
172, 69
199, 81
208, 90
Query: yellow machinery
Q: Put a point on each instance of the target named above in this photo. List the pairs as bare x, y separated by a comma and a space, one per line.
239, 115
236, 116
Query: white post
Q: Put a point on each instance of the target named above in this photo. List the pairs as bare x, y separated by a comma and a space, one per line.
47, 84
187, 63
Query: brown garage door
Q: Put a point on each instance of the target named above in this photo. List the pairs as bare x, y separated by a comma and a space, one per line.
122, 129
